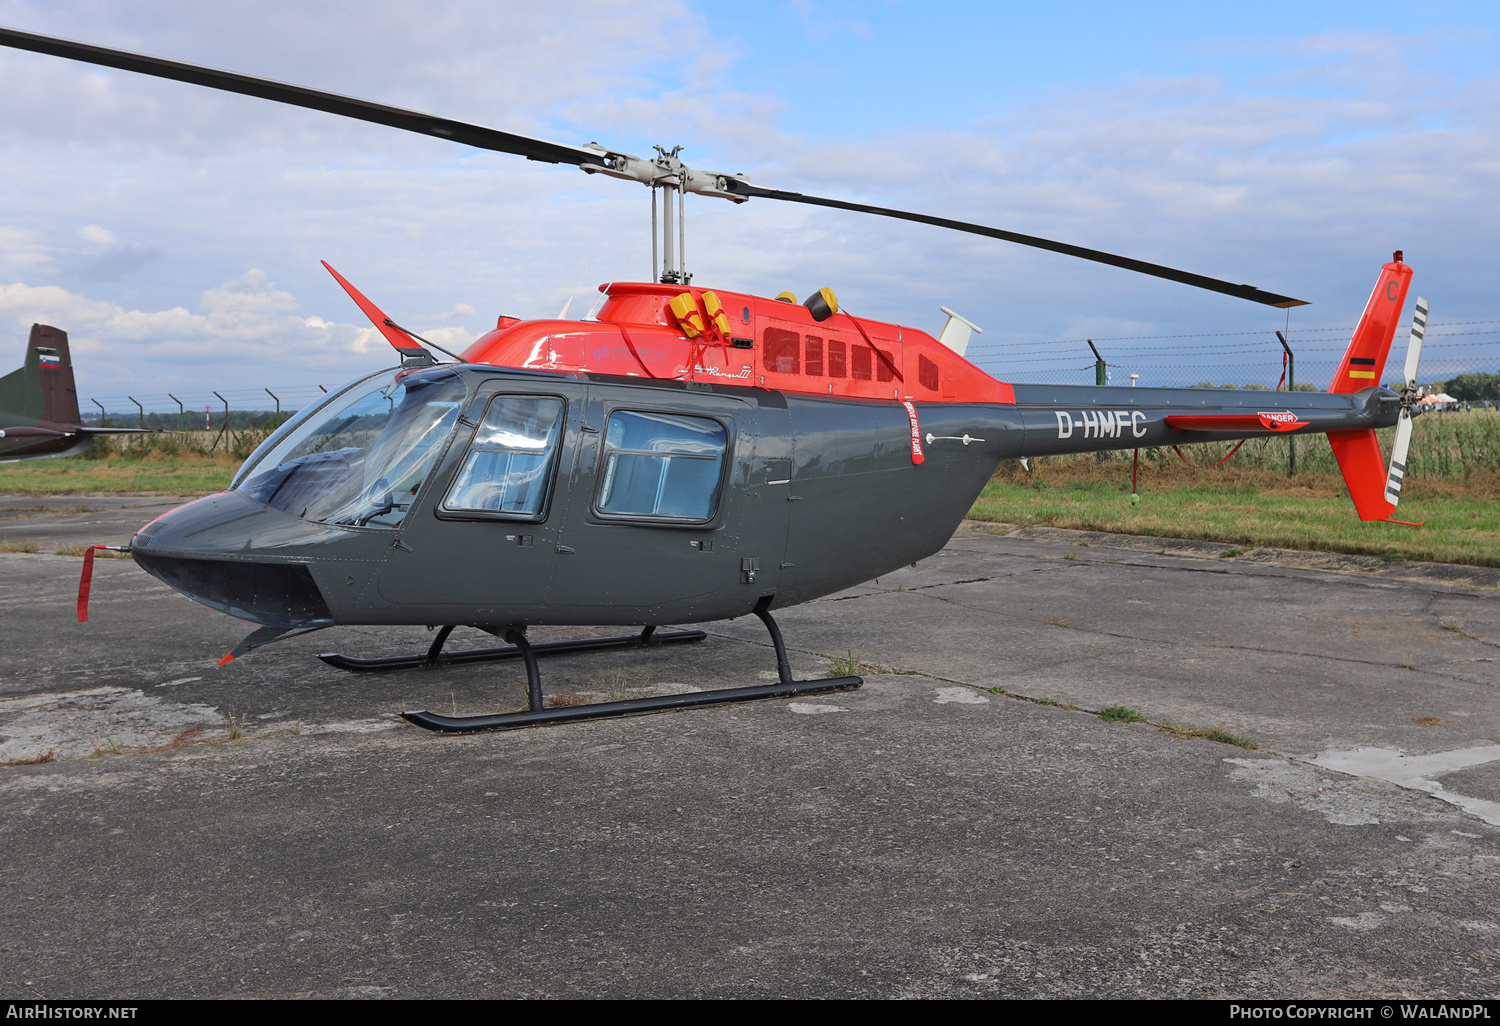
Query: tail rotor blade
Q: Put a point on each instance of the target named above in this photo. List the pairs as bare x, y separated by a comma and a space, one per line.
1398, 458
1414, 347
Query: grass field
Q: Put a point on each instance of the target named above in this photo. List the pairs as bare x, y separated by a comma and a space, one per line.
1250, 507
158, 474
165, 464
1453, 483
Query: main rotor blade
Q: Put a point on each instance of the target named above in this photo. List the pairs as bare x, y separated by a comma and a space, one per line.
1249, 292
556, 153
300, 96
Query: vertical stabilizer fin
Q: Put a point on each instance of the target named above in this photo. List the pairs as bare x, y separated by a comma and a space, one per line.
1358, 453
1364, 360
43, 389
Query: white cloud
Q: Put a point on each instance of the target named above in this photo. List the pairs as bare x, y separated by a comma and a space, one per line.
94, 233
246, 332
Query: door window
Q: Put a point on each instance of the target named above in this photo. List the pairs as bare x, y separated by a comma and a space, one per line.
508, 467
661, 465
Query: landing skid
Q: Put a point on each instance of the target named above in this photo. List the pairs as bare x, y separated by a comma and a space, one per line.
435, 656
538, 715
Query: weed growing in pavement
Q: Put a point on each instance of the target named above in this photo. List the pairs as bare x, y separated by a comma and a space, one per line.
1044, 700
110, 747
1427, 721
997, 691
619, 691
846, 665
1231, 553
19, 547
1209, 734
1120, 714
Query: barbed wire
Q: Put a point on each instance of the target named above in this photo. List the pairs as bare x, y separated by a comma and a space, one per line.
1345, 332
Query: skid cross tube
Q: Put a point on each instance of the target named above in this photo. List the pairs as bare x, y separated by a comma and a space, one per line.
536, 715
434, 656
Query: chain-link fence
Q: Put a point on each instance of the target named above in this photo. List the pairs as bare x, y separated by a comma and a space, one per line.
1246, 359
1444, 444
200, 410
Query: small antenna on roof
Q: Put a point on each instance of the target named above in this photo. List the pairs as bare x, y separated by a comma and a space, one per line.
563, 315
604, 292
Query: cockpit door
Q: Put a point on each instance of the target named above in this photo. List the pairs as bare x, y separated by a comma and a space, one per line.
482, 545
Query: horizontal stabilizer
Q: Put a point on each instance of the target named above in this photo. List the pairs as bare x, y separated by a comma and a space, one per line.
1272, 421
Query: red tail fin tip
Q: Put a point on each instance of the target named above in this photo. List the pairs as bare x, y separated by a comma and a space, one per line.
1364, 361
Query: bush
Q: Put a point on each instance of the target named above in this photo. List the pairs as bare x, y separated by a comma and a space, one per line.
1475, 387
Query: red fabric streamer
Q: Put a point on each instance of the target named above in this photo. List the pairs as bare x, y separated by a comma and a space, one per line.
631, 346
84, 583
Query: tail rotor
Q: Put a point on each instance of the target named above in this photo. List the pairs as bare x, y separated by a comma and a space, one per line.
1408, 399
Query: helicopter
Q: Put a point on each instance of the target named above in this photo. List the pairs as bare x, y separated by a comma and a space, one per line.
685, 456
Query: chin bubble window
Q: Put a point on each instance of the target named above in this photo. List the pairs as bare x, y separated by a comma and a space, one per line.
661, 465
508, 468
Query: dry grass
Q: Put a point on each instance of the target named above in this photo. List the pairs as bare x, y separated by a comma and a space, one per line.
79, 550
19, 547
1218, 734
36, 760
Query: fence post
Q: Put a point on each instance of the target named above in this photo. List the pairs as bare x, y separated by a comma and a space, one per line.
1291, 386
1101, 373
179, 411
140, 409
102, 415
227, 433
278, 404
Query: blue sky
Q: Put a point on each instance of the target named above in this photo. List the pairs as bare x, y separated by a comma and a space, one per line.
176, 233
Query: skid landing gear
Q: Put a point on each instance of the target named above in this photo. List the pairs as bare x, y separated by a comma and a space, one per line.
538, 715
435, 657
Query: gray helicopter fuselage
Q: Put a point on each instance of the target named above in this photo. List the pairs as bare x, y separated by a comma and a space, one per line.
791, 496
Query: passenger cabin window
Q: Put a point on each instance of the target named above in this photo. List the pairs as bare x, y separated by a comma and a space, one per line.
508, 468
662, 465
884, 361
779, 351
